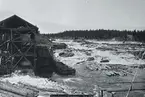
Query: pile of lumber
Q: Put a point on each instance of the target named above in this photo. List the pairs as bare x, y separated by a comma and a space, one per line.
9, 90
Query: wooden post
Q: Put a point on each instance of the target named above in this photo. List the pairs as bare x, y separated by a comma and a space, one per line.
101, 93
34, 41
112, 94
11, 37
11, 48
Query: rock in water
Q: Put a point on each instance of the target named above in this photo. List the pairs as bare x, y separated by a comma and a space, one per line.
112, 73
64, 70
90, 59
59, 46
66, 54
104, 60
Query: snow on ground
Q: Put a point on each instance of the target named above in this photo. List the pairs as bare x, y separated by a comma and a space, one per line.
40, 83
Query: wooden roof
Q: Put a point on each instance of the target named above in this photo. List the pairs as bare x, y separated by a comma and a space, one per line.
16, 22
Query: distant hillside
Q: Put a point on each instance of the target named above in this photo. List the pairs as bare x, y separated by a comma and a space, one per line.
101, 34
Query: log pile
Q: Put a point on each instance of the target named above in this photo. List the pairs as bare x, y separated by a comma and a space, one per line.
10, 90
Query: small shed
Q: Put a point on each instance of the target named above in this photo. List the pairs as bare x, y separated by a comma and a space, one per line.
17, 43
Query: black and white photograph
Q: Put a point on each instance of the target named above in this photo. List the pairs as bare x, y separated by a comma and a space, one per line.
72, 48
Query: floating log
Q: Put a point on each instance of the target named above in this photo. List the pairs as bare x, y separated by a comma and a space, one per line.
104, 60
122, 89
8, 87
122, 82
28, 86
36, 89
8, 94
66, 54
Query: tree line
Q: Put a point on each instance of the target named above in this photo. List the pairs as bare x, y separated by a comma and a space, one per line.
101, 34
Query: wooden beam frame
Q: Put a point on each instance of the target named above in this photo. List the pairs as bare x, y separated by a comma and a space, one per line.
22, 54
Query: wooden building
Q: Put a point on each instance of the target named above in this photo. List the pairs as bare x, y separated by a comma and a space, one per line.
17, 43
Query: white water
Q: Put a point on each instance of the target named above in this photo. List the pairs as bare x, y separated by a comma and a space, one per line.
66, 84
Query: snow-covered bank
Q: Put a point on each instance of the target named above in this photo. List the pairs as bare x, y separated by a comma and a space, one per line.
40, 83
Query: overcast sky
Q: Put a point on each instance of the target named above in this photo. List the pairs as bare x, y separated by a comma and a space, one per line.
60, 15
